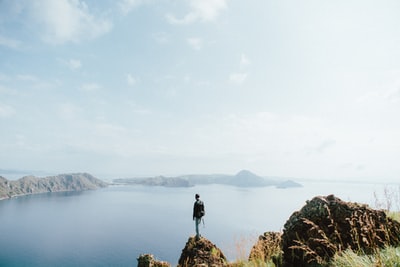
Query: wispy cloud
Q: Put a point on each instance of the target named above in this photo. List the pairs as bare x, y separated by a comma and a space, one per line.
6, 111
323, 146
200, 10
127, 6
90, 87
244, 60
349, 165
36, 82
68, 111
9, 42
195, 43
161, 37
27, 77
238, 78
74, 64
392, 95
389, 96
131, 80
68, 21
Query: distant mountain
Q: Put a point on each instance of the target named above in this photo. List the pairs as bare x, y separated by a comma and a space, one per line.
156, 181
288, 184
246, 178
14, 174
63, 182
243, 178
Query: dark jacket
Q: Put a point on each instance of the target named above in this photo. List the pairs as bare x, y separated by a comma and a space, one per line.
198, 209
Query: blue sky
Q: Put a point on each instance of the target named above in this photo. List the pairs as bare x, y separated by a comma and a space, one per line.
144, 87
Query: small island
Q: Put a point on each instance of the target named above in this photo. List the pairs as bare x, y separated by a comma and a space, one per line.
243, 178
60, 183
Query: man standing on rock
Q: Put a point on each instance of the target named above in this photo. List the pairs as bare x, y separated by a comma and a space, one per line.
198, 213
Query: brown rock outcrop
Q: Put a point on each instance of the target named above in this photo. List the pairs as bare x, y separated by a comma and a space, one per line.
201, 252
327, 225
147, 260
268, 247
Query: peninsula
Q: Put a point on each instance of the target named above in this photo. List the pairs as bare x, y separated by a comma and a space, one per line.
60, 183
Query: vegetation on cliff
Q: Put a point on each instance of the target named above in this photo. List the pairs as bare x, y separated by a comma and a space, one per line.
326, 232
34, 185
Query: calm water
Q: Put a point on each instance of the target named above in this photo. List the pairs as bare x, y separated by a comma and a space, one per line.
112, 226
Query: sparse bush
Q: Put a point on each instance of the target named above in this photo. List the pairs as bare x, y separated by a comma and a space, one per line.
267, 248
242, 255
390, 201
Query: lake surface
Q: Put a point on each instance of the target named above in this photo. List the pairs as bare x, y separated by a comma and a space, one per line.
113, 226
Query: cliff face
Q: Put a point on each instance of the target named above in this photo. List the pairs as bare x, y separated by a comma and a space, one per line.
62, 182
201, 252
326, 225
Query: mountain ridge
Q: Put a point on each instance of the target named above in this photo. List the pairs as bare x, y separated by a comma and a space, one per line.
28, 185
243, 178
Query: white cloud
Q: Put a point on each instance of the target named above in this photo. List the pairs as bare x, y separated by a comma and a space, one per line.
200, 10
392, 95
6, 111
90, 87
110, 130
74, 64
68, 111
375, 97
195, 43
10, 91
35, 82
68, 21
238, 78
244, 60
127, 6
27, 77
131, 80
161, 37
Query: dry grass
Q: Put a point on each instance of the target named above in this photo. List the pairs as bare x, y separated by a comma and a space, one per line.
389, 200
242, 246
369, 241
389, 256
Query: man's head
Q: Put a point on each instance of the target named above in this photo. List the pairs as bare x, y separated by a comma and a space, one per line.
197, 196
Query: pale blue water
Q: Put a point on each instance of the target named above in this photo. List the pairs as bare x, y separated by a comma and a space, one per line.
113, 226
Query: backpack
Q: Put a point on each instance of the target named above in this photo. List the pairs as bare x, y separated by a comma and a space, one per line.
200, 212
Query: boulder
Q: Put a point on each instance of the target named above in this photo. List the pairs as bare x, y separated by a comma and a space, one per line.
327, 225
267, 248
147, 260
201, 252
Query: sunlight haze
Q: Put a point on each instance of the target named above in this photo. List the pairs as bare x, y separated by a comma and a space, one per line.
307, 89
